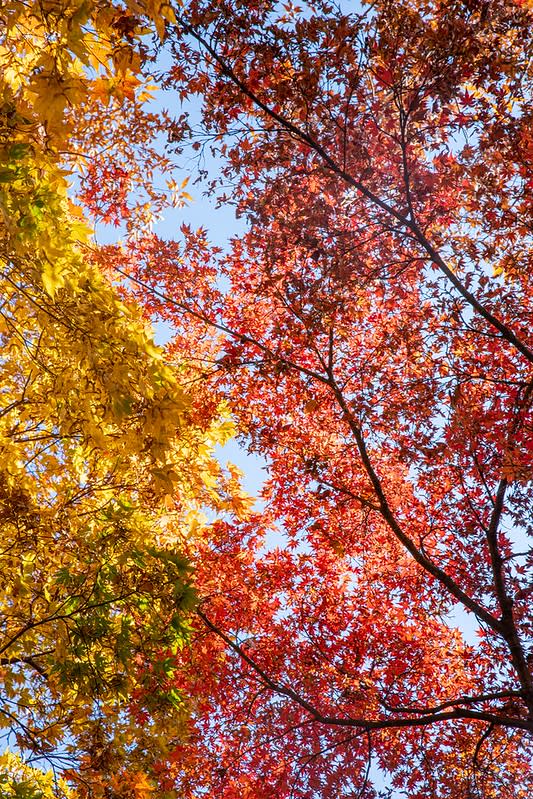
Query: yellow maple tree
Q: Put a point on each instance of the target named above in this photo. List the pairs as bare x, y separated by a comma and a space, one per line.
104, 465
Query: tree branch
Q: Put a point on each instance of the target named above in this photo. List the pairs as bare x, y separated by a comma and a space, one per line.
386, 512
363, 723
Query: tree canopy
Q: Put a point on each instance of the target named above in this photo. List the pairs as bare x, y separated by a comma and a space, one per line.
367, 631
107, 458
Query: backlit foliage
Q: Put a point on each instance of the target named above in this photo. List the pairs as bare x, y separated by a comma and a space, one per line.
106, 459
372, 328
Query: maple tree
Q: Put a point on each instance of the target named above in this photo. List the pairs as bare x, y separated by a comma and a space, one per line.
107, 457
372, 331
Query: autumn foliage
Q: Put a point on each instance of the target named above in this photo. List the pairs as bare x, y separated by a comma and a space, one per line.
375, 343
105, 460
367, 630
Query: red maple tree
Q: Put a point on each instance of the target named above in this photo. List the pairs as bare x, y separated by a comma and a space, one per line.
371, 330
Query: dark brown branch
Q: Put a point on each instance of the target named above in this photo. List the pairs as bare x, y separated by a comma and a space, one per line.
461, 700
32, 625
386, 512
362, 723
505, 601
486, 734
241, 337
31, 660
